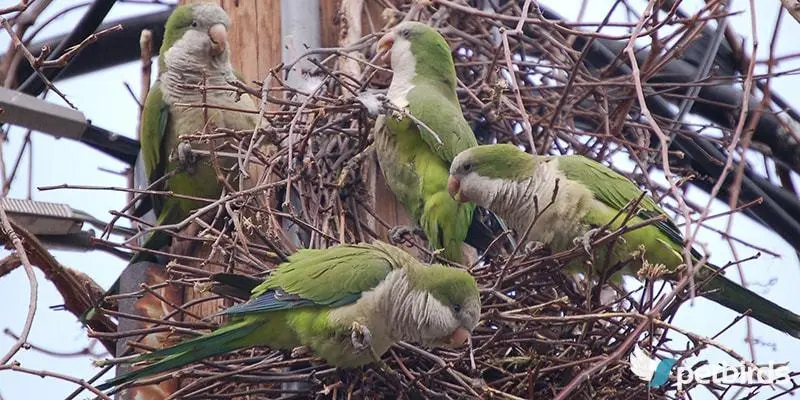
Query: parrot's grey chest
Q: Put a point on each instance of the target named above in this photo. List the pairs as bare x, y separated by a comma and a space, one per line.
393, 310
558, 220
190, 118
369, 311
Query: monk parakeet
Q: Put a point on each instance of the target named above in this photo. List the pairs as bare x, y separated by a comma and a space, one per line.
339, 302
508, 181
194, 50
415, 148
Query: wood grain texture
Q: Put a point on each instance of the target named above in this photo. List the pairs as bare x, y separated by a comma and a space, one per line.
330, 24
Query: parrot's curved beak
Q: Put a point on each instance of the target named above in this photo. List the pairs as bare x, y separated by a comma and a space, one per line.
458, 338
385, 46
219, 39
454, 188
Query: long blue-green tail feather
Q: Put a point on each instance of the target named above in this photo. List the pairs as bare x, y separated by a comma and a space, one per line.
223, 340
727, 293
446, 223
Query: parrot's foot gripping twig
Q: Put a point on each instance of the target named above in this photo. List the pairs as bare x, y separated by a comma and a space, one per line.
401, 233
586, 239
186, 157
360, 336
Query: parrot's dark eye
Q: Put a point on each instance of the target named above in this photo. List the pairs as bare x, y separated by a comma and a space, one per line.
194, 24
457, 308
467, 167
405, 33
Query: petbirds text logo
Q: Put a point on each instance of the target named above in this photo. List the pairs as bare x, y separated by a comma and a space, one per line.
656, 372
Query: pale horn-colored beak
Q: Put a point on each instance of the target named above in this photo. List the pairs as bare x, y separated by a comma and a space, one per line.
454, 188
219, 39
385, 46
459, 337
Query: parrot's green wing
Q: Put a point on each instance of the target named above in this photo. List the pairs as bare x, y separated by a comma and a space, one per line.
451, 132
616, 191
155, 117
325, 277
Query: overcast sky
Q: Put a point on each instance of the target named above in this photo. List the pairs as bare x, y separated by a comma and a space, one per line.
104, 99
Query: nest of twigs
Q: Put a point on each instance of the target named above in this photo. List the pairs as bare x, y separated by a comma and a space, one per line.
536, 84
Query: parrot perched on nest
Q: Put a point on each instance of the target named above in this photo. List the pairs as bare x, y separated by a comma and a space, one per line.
514, 184
194, 50
415, 148
347, 304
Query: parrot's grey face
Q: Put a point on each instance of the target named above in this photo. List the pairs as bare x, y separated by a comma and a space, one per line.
466, 184
466, 318
479, 173
450, 307
200, 35
448, 325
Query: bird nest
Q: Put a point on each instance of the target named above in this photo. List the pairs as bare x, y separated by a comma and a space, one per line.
525, 77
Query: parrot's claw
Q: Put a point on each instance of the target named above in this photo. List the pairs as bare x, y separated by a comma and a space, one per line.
186, 158
586, 240
401, 233
360, 336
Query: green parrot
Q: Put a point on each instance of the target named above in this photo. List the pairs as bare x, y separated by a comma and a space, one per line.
338, 302
415, 149
508, 181
195, 48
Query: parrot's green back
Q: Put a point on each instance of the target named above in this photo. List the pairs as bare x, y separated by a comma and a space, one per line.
663, 242
416, 161
356, 268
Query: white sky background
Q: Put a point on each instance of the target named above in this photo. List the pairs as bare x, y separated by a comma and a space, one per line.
104, 99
